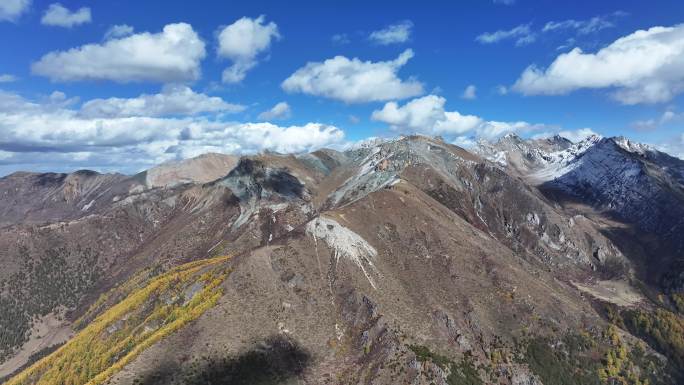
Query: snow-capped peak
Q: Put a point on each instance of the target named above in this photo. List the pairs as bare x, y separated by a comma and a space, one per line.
633, 147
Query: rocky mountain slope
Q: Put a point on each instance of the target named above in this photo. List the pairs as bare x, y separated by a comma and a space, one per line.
631, 182
400, 261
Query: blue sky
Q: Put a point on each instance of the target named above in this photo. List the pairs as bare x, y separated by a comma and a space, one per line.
104, 85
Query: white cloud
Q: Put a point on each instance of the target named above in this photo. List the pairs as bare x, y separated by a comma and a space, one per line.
118, 31
59, 99
522, 35
646, 66
501, 90
172, 101
426, 115
469, 93
353, 80
583, 27
393, 34
7, 78
645, 125
173, 55
59, 16
464, 141
577, 135
242, 42
493, 129
340, 38
281, 110
504, 2
10, 10
572, 135
51, 136
674, 146
668, 116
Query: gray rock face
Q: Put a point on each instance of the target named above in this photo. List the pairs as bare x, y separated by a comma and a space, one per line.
522, 378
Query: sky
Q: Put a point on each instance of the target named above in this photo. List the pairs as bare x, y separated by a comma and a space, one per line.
123, 85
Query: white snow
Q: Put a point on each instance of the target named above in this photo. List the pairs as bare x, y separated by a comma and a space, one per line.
500, 158
88, 206
533, 218
634, 147
556, 164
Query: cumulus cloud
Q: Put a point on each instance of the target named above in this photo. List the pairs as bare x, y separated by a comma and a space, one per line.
7, 78
118, 31
469, 93
10, 10
522, 35
426, 115
646, 66
393, 34
281, 110
173, 55
172, 101
46, 133
353, 80
241, 42
59, 16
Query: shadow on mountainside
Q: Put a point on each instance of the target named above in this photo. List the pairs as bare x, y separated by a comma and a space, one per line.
276, 360
655, 256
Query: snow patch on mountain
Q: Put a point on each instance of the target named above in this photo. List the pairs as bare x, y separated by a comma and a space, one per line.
555, 164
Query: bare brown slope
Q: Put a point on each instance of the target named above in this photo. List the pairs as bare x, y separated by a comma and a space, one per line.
439, 282
34, 198
202, 169
64, 266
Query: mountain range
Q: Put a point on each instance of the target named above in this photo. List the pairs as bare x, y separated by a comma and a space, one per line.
402, 261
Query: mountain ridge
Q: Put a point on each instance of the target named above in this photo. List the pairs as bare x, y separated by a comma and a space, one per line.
409, 260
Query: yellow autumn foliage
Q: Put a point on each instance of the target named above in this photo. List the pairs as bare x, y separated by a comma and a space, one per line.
120, 334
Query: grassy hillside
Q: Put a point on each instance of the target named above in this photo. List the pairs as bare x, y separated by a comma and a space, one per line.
165, 304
